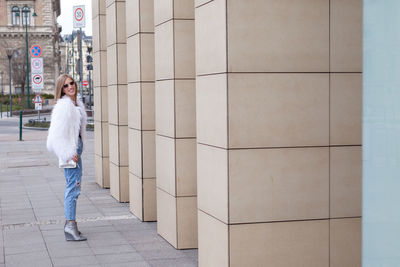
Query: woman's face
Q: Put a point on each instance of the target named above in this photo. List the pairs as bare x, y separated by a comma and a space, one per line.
69, 88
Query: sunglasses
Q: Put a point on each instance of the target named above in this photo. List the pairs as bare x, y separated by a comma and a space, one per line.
66, 85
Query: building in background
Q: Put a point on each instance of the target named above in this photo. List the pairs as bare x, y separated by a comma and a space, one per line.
43, 30
69, 47
236, 125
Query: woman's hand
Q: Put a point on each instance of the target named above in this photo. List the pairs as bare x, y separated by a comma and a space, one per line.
75, 158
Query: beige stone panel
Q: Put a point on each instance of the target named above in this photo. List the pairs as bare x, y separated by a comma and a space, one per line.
164, 51
135, 152
123, 104
102, 7
163, 11
123, 145
106, 172
97, 103
147, 57
211, 110
148, 106
111, 24
210, 24
150, 200
98, 162
185, 107
346, 109
96, 69
212, 181
279, 185
114, 147
278, 110
115, 181
165, 164
103, 32
133, 58
213, 240
166, 217
96, 33
345, 242
124, 184
100, 68
120, 29
134, 107
345, 181
104, 103
121, 63
103, 68
112, 65
184, 48
186, 167
183, 9
295, 36
147, 16
165, 108
98, 134
346, 35
109, 2
132, 17
201, 2
105, 138
95, 10
149, 154
113, 104
301, 243
136, 196
187, 222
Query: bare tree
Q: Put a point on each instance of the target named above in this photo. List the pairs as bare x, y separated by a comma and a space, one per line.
19, 68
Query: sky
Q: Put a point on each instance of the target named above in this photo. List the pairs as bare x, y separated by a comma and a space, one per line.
66, 17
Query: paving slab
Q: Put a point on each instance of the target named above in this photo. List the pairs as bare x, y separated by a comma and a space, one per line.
31, 214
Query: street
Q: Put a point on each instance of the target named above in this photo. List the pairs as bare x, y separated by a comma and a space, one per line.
32, 220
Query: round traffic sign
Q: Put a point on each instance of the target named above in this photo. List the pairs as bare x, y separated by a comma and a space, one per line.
36, 63
36, 51
78, 14
37, 79
85, 83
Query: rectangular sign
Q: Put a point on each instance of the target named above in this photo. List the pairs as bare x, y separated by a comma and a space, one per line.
36, 65
37, 82
38, 106
79, 16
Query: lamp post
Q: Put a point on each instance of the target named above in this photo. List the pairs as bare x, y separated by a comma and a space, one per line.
26, 11
9, 52
2, 85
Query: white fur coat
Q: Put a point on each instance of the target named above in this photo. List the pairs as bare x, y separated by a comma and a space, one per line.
67, 121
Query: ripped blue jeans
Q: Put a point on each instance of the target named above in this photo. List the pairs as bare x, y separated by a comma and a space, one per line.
73, 178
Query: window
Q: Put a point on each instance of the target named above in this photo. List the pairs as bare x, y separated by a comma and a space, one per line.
26, 15
15, 15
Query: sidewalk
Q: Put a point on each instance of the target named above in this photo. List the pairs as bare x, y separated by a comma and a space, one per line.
31, 215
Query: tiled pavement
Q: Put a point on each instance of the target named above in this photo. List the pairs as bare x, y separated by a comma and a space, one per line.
31, 215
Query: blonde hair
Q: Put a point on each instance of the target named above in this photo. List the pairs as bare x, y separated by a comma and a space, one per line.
60, 84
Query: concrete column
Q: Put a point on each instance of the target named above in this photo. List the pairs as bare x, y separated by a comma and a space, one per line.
141, 119
278, 104
176, 122
117, 100
102, 164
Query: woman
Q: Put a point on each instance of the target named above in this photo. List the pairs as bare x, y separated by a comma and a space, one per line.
65, 139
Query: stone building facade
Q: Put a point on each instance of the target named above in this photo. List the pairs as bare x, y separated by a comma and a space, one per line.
236, 125
42, 30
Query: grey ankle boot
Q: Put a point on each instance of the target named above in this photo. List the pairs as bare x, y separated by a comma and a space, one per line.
79, 232
71, 232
